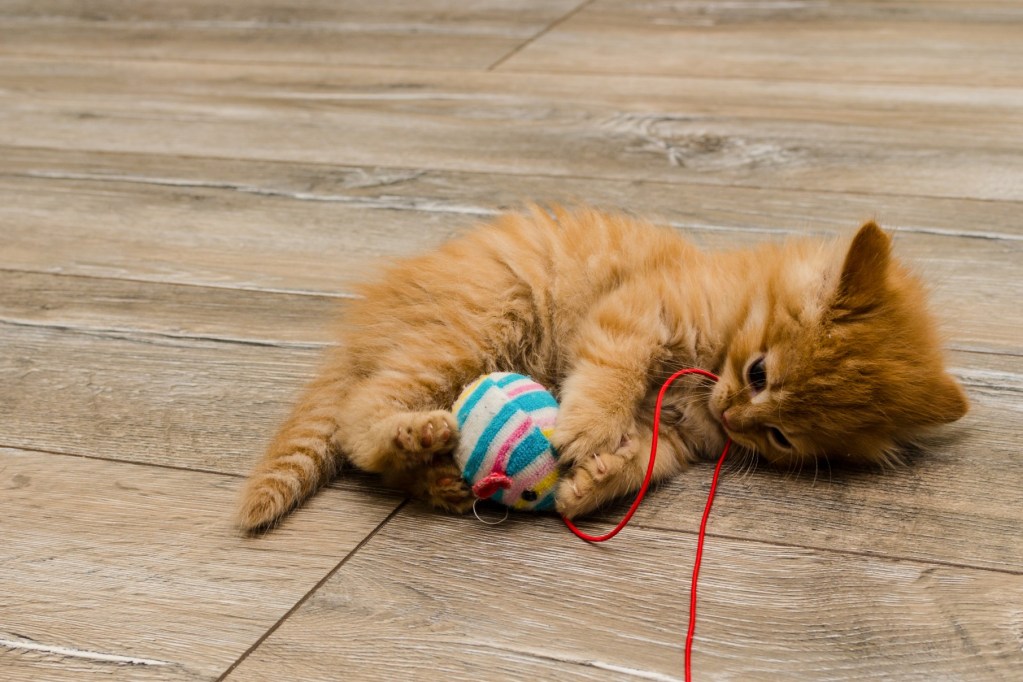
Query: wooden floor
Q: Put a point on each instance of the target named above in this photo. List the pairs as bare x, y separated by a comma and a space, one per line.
188, 189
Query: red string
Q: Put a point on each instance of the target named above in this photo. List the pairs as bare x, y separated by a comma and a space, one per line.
639, 498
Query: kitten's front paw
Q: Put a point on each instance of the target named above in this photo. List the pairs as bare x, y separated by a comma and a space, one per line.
599, 478
576, 446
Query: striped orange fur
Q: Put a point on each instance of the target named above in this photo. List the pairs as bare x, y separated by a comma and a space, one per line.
601, 308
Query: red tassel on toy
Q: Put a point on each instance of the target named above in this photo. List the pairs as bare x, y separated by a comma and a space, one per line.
489, 486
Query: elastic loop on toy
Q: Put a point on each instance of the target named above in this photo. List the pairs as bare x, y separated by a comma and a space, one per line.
489, 523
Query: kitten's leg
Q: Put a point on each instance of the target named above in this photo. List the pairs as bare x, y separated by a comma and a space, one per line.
384, 424
605, 476
390, 424
613, 353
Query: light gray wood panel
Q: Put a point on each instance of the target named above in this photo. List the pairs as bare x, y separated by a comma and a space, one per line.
439, 33
118, 571
310, 229
449, 598
200, 235
156, 399
962, 142
213, 406
908, 42
479, 195
126, 307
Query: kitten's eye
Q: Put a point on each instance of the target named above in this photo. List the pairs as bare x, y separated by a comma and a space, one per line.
756, 375
778, 438
529, 495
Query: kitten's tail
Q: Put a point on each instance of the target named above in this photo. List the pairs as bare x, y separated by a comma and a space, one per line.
298, 462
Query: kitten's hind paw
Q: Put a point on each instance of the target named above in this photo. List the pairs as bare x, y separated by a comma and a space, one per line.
426, 433
450, 492
440, 484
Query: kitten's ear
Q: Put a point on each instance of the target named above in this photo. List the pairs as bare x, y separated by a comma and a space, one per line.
946, 403
864, 271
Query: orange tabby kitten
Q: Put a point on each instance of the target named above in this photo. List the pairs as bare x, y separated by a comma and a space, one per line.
823, 348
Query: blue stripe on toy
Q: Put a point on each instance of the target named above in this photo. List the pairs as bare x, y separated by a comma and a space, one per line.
499, 497
526, 452
508, 379
536, 400
473, 399
479, 453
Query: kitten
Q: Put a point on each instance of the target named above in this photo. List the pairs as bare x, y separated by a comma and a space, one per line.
824, 349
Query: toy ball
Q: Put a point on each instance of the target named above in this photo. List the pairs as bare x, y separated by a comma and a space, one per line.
505, 422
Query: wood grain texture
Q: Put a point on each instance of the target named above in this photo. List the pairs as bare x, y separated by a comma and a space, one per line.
526, 600
184, 403
170, 224
118, 571
942, 141
129, 307
440, 33
857, 41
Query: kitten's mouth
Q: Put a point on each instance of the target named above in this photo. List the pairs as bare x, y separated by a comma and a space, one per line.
729, 428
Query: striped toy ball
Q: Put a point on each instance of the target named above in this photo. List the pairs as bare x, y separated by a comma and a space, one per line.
505, 422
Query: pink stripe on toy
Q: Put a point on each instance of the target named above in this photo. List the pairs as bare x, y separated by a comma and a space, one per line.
524, 387
511, 442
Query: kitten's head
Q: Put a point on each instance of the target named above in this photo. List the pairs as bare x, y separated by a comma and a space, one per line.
837, 356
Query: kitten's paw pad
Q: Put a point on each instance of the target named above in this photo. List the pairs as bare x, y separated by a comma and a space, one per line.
263, 502
426, 432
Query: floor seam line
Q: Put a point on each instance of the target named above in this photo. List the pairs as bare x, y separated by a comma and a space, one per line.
297, 605
544, 31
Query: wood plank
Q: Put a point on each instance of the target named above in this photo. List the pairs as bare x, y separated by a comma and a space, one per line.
178, 402
128, 307
482, 194
212, 406
859, 41
441, 33
961, 142
208, 236
302, 228
118, 571
450, 598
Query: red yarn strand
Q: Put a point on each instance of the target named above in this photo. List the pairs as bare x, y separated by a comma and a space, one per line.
696, 562
642, 492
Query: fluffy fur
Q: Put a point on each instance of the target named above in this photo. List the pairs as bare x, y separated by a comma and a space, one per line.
824, 349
